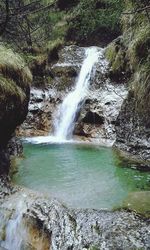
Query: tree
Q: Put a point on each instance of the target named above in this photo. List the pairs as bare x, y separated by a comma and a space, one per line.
23, 21
141, 6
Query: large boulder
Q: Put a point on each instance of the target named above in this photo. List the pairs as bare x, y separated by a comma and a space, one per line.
15, 78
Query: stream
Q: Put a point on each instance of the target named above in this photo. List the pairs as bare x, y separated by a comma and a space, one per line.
79, 174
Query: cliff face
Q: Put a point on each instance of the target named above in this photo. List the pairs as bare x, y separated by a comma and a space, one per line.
129, 57
14, 97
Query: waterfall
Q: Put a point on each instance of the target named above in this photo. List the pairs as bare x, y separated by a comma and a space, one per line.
64, 123
66, 114
12, 225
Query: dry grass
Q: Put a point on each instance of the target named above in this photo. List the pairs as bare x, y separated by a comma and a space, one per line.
8, 88
12, 66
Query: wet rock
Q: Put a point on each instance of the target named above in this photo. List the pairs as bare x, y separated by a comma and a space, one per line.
6, 188
86, 229
15, 78
93, 118
68, 71
49, 223
132, 130
103, 105
15, 147
98, 114
41, 109
72, 55
139, 202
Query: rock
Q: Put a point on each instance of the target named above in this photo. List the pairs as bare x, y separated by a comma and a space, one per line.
93, 118
15, 147
131, 55
15, 78
41, 111
132, 132
89, 229
49, 223
98, 114
139, 202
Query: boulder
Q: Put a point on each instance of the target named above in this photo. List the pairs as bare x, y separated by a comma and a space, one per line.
15, 78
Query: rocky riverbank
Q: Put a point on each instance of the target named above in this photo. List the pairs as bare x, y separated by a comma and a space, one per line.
40, 221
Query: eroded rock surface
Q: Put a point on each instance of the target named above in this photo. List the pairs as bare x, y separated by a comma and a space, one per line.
86, 229
49, 223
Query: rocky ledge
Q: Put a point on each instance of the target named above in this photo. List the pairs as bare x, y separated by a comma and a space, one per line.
39, 220
15, 78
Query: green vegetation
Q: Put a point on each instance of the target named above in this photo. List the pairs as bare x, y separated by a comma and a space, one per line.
130, 52
129, 57
141, 87
116, 56
15, 76
12, 66
138, 202
9, 88
59, 25
90, 17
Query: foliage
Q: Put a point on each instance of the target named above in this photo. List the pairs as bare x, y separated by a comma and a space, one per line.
135, 56
141, 88
140, 46
92, 15
24, 22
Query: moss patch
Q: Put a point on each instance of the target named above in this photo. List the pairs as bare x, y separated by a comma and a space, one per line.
9, 88
15, 78
138, 202
14, 67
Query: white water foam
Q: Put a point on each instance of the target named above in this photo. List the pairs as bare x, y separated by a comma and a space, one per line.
15, 231
64, 124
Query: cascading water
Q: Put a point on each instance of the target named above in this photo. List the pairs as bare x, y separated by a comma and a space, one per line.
64, 124
12, 226
17, 231
65, 117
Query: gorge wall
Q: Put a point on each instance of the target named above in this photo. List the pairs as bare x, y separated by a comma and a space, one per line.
14, 97
129, 57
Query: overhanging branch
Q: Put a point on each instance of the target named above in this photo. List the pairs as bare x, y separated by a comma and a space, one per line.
137, 11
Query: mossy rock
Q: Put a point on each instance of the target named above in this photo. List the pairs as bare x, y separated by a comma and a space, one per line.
116, 55
52, 50
138, 202
139, 47
13, 66
15, 79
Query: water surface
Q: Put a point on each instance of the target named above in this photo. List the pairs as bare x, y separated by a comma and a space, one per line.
80, 176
